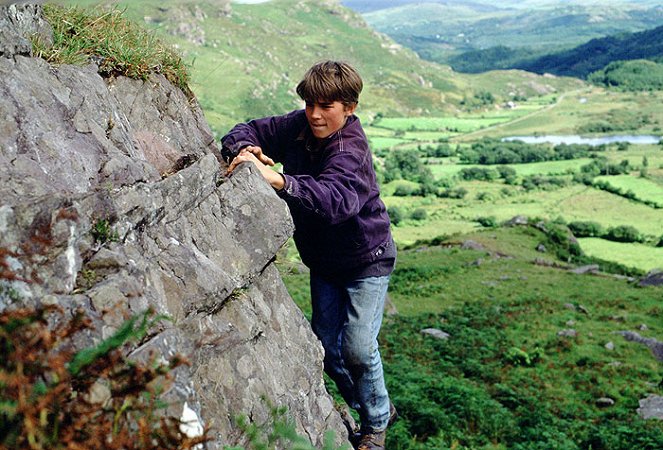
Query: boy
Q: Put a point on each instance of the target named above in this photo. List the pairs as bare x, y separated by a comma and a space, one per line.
342, 229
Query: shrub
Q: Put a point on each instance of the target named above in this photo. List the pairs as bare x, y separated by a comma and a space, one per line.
419, 214
477, 173
405, 190
396, 214
624, 233
46, 387
453, 193
586, 229
488, 222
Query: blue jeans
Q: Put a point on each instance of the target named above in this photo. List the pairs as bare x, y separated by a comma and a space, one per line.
347, 319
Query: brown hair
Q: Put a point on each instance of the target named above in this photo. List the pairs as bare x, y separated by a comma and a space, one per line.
331, 81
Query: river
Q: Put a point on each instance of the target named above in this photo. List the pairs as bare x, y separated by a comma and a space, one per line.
594, 141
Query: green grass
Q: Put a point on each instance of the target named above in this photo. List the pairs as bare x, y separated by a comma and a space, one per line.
236, 76
643, 188
456, 124
641, 256
120, 46
504, 378
572, 203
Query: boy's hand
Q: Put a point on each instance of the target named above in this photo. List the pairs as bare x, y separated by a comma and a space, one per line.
261, 162
257, 151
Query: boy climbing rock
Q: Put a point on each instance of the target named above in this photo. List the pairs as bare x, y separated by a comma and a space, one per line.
342, 229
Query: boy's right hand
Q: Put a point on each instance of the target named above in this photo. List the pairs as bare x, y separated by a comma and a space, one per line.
257, 152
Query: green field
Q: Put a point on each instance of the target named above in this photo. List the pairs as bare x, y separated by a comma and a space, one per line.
643, 188
574, 202
644, 257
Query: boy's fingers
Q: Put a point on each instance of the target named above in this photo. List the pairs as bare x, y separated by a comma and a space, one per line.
266, 160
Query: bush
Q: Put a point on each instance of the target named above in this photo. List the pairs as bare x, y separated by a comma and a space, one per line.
586, 229
488, 222
419, 214
46, 387
453, 193
396, 214
624, 233
477, 173
405, 190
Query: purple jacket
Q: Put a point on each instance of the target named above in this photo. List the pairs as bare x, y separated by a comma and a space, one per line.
341, 224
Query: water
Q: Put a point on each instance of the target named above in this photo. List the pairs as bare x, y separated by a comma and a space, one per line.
594, 141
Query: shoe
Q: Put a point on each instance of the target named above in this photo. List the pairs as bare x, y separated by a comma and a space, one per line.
356, 437
372, 441
393, 414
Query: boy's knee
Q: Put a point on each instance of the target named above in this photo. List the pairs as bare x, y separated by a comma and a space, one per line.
358, 358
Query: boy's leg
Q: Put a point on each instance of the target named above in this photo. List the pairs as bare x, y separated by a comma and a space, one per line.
360, 352
330, 312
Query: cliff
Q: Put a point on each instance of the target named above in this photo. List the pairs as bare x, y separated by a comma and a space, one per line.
82, 155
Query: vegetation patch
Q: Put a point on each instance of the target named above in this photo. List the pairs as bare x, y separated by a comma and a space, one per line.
117, 45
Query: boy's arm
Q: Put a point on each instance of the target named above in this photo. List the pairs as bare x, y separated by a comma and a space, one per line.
338, 193
267, 134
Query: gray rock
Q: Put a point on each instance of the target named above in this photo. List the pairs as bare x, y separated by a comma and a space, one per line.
653, 278
472, 245
591, 268
651, 407
569, 332
604, 402
436, 333
610, 346
76, 149
517, 220
654, 345
18, 21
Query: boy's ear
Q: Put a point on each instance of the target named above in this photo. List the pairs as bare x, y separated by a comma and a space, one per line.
350, 109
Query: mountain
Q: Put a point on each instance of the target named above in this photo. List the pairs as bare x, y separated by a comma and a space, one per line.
438, 31
598, 53
247, 58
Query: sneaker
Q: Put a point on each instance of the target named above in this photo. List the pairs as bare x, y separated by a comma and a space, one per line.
372, 441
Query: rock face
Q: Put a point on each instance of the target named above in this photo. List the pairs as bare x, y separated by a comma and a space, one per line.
79, 152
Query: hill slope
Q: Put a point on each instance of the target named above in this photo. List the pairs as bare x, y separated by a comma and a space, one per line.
597, 53
248, 58
439, 30
534, 356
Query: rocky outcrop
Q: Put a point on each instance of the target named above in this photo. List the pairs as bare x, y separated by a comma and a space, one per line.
111, 191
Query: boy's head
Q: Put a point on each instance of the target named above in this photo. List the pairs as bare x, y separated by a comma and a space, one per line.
331, 81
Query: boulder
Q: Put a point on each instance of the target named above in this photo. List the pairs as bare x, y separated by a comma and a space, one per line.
112, 193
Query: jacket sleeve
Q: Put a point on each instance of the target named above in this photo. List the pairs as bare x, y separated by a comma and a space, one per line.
338, 193
269, 133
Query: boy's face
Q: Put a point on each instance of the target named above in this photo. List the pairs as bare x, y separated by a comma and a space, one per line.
326, 118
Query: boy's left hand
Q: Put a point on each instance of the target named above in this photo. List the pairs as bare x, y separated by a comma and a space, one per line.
261, 161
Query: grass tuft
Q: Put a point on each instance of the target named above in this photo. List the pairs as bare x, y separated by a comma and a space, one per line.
117, 45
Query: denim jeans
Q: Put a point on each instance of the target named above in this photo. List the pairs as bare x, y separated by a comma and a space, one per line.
347, 319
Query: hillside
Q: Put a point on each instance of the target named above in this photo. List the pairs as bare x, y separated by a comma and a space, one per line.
443, 31
492, 344
246, 59
598, 53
